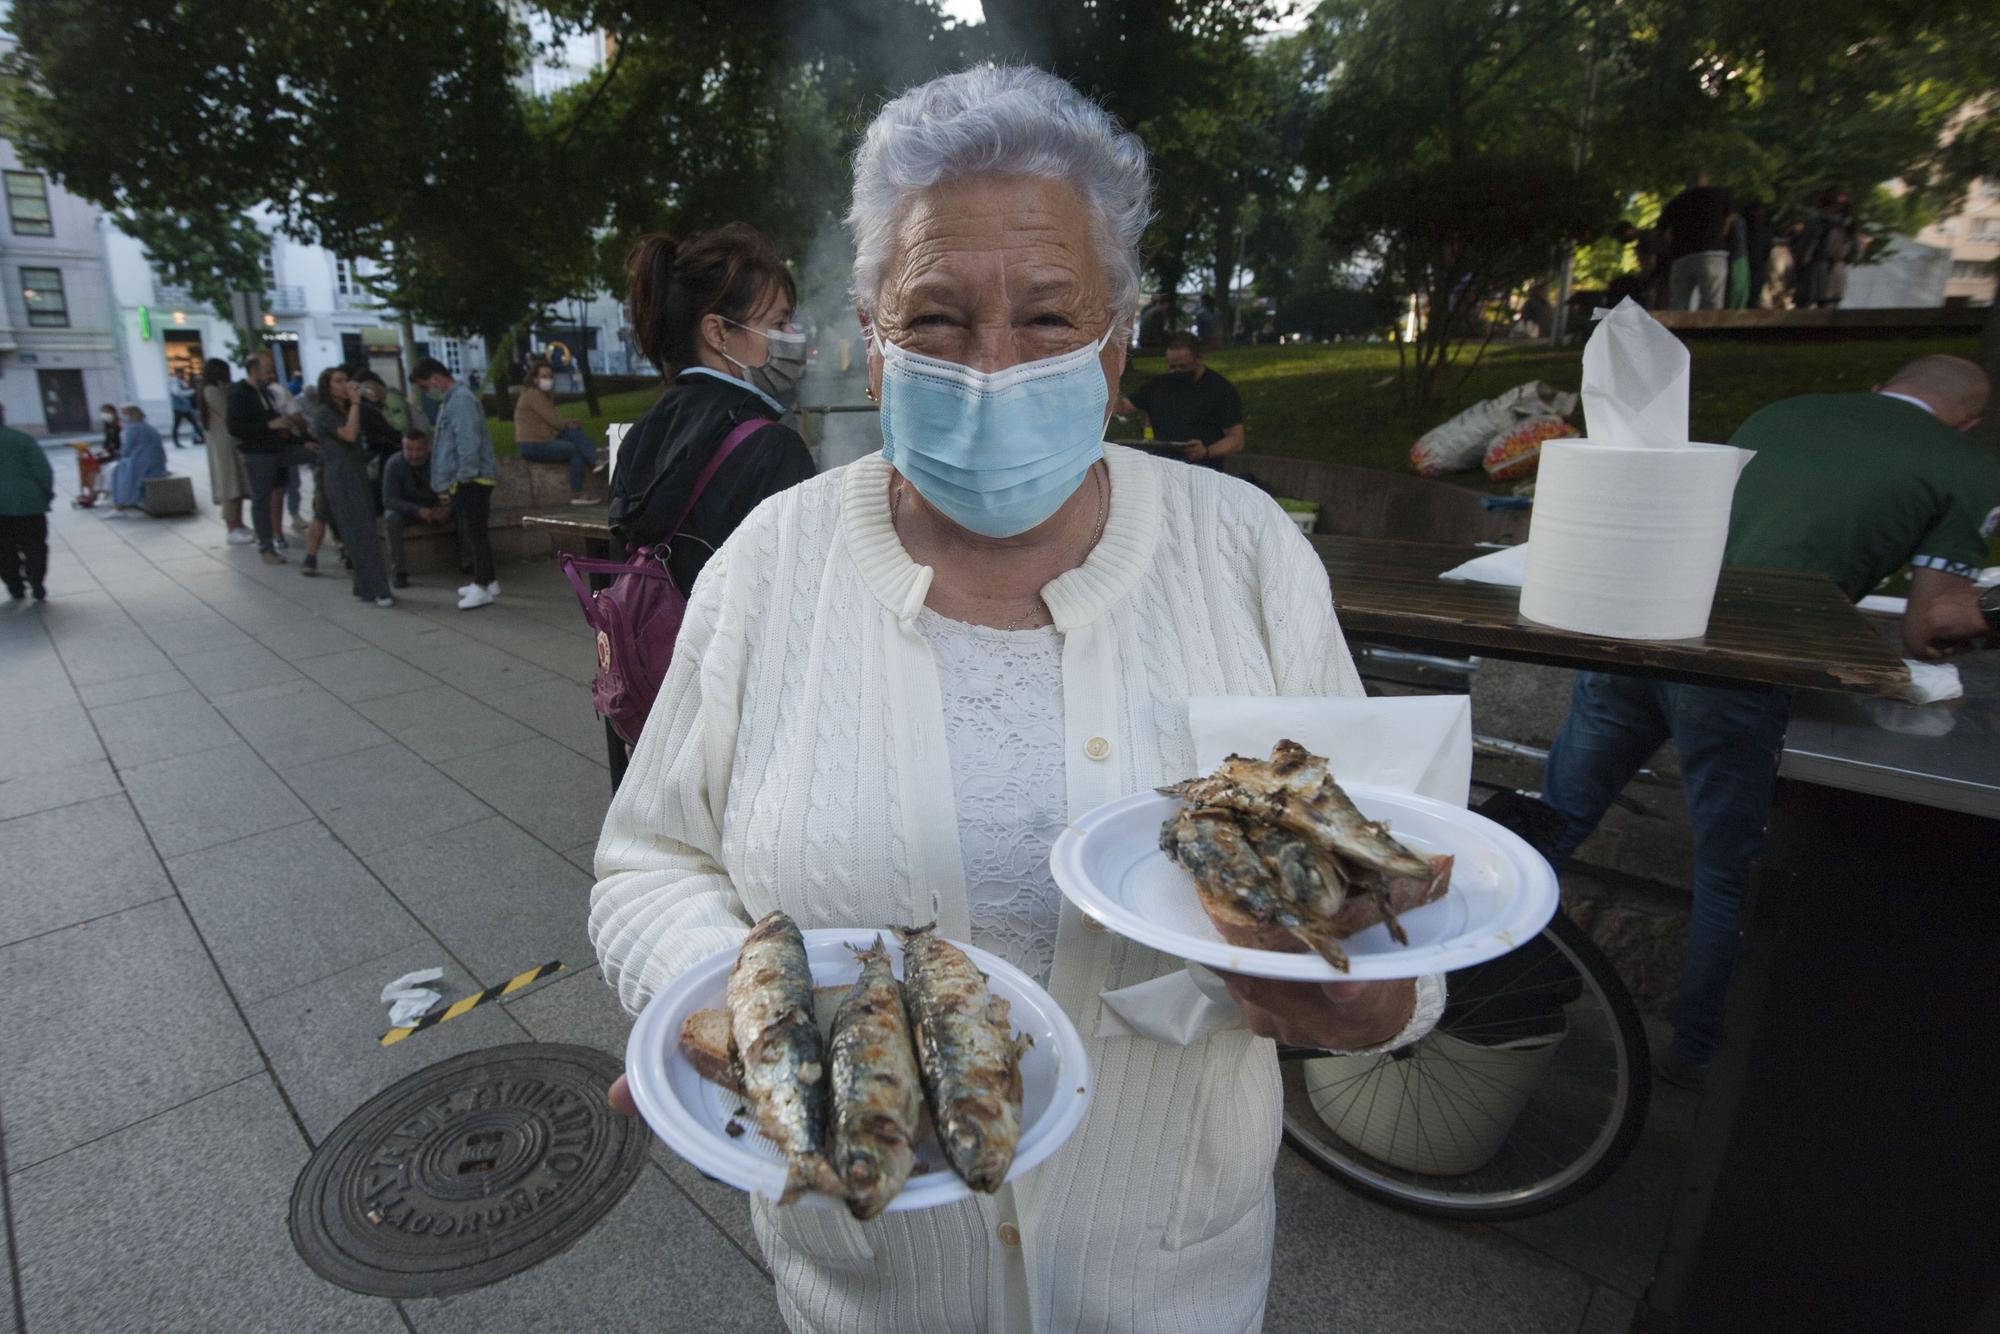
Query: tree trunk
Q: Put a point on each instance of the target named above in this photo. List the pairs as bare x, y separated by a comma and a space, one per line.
583, 366
1226, 247
499, 353
1989, 357
418, 417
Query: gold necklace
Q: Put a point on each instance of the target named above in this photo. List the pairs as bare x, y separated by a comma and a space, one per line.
1033, 619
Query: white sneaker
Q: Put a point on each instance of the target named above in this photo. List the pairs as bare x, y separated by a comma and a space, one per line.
475, 597
385, 601
300, 526
240, 537
491, 590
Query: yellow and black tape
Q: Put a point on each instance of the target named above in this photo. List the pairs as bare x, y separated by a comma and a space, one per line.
471, 1003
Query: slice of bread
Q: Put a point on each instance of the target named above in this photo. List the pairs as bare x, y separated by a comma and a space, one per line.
710, 1049
1357, 913
1239, 928
1361, 911
706, 1044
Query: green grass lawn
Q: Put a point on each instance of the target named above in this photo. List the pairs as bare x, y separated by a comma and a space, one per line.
1339, 402
616, 408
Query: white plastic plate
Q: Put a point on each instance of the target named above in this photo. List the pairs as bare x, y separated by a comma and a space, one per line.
690, 1114
1502, 893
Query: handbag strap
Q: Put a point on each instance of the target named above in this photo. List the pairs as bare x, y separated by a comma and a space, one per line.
738, 434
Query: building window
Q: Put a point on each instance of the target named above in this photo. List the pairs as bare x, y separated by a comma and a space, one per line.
1970, 270
28, 204
42, 294
267, 264
1986, 229
446, 350
343, 277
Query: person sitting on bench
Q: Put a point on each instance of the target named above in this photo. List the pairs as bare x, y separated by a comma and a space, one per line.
142, 456
407, 497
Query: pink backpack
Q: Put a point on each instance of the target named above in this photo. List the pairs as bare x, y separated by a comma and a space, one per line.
638, 617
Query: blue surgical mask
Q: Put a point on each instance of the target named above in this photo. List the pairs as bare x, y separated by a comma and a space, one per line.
996, 452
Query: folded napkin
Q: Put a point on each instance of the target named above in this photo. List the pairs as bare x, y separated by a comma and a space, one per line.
1505, 567
1932, 682
1419, 743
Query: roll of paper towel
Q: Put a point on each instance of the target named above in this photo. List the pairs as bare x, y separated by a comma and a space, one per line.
1627, 541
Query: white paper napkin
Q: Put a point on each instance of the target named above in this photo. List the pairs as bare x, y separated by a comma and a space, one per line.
408, 1001
1504, 567
1932, 682
1420, 743
1635, 381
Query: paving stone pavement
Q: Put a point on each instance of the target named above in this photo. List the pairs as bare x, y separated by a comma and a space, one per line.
235, 802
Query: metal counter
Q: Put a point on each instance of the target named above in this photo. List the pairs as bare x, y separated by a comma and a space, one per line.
1945, 756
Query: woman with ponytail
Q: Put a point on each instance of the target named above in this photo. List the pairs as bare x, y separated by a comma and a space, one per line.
715, 315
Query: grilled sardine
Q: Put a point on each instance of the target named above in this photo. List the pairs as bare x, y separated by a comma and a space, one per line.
1267, 873
877, 1093
968, 1056
778, 1044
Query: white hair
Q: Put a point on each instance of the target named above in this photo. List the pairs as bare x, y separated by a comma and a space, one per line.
1004, 120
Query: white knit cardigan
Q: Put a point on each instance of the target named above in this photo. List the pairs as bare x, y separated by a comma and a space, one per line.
796, 759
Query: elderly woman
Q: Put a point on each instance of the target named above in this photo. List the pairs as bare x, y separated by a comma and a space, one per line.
897, 681
141, 458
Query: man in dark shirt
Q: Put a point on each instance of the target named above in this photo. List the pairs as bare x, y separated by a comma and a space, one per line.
1851, 486
263, 435
407, 497
1191, 405
1696, 223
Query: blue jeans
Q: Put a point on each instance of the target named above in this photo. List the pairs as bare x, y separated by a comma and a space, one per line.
570, 446
1728, 742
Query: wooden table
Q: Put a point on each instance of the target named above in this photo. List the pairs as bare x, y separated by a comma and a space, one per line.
1770, 627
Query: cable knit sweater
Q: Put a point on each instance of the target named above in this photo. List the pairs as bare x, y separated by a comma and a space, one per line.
796, 759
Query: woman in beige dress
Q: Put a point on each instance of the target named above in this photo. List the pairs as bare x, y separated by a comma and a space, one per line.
226, 480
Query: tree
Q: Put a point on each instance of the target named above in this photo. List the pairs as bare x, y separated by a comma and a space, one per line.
1452, 234
1185, 77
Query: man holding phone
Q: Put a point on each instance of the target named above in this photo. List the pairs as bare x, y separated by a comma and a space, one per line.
1191, 405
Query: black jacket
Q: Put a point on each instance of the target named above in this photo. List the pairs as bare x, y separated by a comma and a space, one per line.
406, 490
664, 453
248, 418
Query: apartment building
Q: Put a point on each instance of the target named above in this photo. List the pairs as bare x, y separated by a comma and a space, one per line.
1973, 239
59, 336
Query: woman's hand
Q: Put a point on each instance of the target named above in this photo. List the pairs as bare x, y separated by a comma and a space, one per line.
1332, 1016
620, 1096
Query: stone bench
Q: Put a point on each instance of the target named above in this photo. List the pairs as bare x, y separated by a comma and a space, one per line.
169, 495
432, 548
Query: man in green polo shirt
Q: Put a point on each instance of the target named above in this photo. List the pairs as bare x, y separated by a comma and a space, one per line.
1852, 486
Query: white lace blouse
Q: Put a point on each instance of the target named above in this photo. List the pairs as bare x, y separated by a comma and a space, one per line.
1003, 728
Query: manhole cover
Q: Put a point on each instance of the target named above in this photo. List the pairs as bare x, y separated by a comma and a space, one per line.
466, 1172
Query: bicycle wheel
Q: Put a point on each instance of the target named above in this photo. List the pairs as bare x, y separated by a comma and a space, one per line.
1548, 1029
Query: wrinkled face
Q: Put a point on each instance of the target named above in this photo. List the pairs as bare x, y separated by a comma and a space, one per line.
994, 271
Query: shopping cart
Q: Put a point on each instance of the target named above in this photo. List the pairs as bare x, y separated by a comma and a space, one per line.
89, 472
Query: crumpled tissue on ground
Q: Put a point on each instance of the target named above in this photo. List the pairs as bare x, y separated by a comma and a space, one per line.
408, 1001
